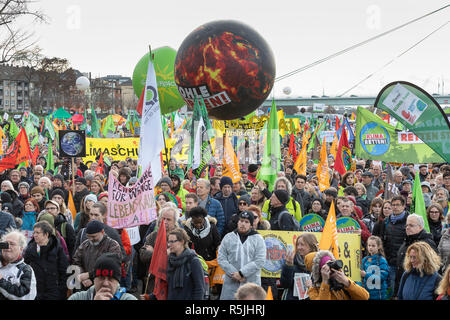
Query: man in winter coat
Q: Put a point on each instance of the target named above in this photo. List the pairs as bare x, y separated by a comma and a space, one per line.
17, 279
321, 273
228, 200
241, 255
90, 250
278, 202
371, 190
414, 232
211, 205
300, 195
106, 286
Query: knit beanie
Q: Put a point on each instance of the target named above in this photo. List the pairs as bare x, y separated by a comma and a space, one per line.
57, 192
166, 180
23, 183
282, 195
225, 181
252, 168
91, 197
94, 226
108, 265
247, 215
102, 195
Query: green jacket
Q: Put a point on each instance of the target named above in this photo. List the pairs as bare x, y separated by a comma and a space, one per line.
89, 295
182, 195
296, 212
178, 171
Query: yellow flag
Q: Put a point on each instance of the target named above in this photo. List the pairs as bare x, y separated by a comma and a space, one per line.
269, 295
329, 240
281, 122
353, 116
71, 206
334, 146
230, 162
300, 163
322, 169
2, 136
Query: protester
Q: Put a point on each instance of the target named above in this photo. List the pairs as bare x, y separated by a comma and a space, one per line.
185, 274
7, 222
258, 223
30, 212
82, 217
250, 291
300, 194
304, 244
228, 200
17, 279
444, 247
106, 273
45, 255
81, 191
435, 217
211, 205
245, 267
342, 288
374, 213
257, 197
420, 279
375, 270
443, 290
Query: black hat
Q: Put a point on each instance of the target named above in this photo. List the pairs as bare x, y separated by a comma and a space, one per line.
367, 174
59, 177
58, 192
247, 215
246, 198
282, 195
94, 226
225, 181
7, 207
82, 180
5, 197
108, 265
423, 165
252, 167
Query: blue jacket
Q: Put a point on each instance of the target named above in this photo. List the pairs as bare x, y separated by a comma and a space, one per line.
377, 274
230, 206
6, 222
214, 209
415, 287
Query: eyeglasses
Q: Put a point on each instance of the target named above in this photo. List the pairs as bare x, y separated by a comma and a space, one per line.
434, 211
172, 241
242, 203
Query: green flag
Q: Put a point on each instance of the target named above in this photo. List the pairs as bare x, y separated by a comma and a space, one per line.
83, 125
50, 162
271, 161
48, 126
13, 131
418, 203
316, 134
95, 127
109, 126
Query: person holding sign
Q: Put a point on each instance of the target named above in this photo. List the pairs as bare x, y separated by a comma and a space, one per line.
328, 279
295, 264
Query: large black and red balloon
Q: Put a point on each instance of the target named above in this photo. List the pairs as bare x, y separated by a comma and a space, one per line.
229, 65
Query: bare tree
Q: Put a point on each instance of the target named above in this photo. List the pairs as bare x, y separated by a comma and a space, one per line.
15, 41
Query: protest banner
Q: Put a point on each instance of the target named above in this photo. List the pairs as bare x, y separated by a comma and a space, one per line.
133, 206
118, 149
279, 243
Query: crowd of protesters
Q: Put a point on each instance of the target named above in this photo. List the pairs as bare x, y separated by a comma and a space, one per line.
212, 221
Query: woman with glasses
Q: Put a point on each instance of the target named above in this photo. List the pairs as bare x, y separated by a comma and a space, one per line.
185, 274
45, 254
435, 216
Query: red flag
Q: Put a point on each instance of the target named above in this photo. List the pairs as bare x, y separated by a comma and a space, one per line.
140, 105
18, 152
100, 165
158, 265
34, 156
339, 164
292, 149
338, 124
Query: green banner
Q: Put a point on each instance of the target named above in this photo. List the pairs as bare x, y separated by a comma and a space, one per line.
419, 112
378, 140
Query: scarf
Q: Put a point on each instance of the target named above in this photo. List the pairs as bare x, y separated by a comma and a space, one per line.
394, 219
180, 267
203, 232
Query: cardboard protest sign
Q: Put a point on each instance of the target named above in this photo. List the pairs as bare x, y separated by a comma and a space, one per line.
133, 206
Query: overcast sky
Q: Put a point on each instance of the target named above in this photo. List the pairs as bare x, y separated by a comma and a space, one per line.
109, 37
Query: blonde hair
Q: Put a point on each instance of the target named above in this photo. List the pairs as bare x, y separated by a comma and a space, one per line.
379, 244
444, 285
429, 261
310, 239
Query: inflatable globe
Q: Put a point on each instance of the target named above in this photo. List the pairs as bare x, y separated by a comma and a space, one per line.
163, 62
229, 65
72, 144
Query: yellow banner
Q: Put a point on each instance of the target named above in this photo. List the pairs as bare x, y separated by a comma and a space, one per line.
278, 243
118, 149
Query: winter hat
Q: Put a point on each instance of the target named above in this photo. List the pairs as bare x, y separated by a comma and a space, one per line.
225, 181
352, 199
7, 207
166, 180
5, 197
134, 180
282, 195
323, 261
58, 177
102, 195
405, 171
247, 215
47, 217
58, 192
246, 198
81, 180
108, 265
91, 197
52, 202
316, 261
331, 192
426, 183
23, 183
94, 226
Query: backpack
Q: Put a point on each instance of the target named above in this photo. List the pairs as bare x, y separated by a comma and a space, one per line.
294, 224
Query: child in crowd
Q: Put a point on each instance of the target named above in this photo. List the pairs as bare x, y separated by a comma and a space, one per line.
375, 270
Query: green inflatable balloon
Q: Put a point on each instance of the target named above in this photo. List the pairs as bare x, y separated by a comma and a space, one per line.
170, 99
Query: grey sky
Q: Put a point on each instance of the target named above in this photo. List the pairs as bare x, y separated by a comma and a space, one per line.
109, 37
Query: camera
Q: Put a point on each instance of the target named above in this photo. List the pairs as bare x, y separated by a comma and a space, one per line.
336, 265
4, 245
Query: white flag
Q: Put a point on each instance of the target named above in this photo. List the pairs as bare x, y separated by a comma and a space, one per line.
151, 140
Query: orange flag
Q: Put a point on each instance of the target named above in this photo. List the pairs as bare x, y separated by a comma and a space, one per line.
34, 156
19, 151
71, 205
100, 165
329, 240
269, 295
230, 162
334, 145
322, 169
300, 163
